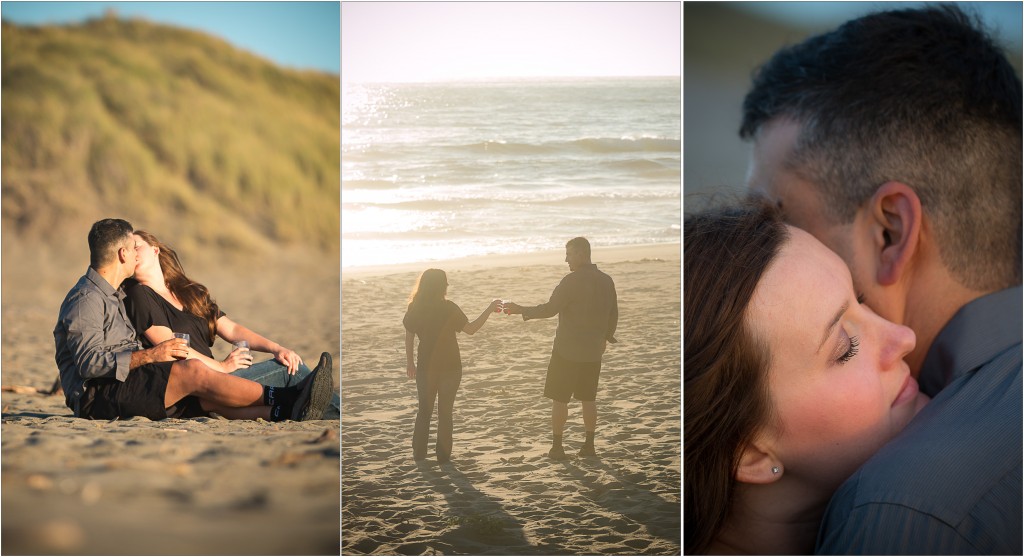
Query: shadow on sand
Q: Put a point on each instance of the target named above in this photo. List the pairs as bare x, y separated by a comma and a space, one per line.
482, 526
627, 497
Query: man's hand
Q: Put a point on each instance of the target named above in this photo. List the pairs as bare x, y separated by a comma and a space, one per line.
512, 308
170, 350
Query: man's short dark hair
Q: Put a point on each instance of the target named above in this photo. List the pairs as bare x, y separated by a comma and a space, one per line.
922, 97
105, 238
579, 244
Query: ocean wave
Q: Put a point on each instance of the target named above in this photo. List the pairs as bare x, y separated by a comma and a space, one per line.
597, 145
500, 200
369, 184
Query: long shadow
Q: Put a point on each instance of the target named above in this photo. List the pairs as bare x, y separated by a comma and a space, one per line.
34, 415
631, 500
483, 526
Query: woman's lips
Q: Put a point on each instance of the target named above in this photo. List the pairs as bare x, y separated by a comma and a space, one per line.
908, 391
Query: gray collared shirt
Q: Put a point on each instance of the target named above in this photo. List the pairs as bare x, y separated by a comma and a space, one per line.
588, 313
951, 482
93, 336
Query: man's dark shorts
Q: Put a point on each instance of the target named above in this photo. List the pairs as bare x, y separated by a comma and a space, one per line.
567, 379
141, 394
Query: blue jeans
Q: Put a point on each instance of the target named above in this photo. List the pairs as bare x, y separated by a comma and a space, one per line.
275, 374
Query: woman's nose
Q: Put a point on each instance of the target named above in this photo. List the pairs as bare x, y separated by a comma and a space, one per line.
900, 341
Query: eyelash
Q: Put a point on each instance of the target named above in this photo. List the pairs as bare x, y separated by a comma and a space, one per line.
851, 352
854, 342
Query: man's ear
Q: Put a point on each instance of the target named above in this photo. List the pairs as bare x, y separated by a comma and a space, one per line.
896, 224
758, 465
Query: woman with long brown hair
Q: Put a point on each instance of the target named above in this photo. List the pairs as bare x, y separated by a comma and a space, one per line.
162, 300
790, 383
438, 365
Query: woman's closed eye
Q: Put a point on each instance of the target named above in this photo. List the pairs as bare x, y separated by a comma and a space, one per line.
851, 351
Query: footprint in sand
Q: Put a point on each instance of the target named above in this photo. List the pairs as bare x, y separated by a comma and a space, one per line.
637, 543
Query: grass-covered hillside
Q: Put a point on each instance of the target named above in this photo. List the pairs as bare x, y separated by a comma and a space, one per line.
204, 144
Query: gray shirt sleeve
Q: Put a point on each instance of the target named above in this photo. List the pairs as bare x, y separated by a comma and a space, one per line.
558, 299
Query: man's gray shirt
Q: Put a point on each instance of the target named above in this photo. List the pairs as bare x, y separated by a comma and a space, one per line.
588, 313
93, 336
950, 483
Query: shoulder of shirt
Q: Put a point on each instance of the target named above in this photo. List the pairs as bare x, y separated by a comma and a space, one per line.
581, 274
84, 292
86, 287
922, 468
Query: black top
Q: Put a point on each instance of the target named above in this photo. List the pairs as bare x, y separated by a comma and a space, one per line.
436, 325
146, 308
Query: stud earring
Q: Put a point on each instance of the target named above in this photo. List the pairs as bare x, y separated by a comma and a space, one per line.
775, 469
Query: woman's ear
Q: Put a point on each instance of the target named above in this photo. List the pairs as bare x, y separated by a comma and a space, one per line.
758, 465
896, 224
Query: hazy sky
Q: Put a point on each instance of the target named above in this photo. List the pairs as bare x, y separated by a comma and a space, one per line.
295, 34
428, 41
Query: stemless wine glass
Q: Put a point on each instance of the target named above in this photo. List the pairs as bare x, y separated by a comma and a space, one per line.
188, 342
244, 345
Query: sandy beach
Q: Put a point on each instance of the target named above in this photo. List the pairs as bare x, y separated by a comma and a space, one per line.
501, 495
173, 487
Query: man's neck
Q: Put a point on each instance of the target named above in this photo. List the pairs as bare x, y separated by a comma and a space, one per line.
931, 304
112, 274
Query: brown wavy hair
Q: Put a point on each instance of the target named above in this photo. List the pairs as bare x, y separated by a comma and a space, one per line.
726, 402
193, 296
429, 288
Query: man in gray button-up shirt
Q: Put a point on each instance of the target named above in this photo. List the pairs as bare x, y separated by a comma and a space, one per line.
106, 374
588, 313
85, 352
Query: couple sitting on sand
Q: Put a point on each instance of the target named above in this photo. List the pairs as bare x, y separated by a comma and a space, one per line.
588, 313
109, 371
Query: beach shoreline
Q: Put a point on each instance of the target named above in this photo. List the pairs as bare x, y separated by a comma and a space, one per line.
599, 255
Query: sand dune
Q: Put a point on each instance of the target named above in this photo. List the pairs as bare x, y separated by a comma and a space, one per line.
501, 494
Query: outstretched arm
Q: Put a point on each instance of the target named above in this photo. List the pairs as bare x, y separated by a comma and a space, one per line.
475, 325
559, 298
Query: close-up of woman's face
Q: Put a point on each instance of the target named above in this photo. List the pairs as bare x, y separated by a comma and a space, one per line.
838, 384
146, 254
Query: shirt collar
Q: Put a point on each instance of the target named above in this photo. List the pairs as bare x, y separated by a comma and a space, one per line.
102, 284
977, 333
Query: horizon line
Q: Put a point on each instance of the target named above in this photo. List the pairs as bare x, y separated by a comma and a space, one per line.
503, 78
